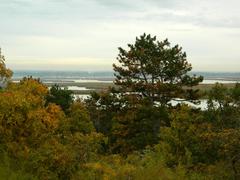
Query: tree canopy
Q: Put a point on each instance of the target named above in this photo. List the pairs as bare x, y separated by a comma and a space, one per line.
155, 70
60, 96
5, 73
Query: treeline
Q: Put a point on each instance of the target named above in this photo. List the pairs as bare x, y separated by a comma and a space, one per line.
132, 132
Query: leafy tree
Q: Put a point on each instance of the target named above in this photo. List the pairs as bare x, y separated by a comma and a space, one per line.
235, 95
79, 118
150, 71
135, 126
223, 106
59, 96
102, 108
5, 73
129, 122
155, 70
41, 137
24, 120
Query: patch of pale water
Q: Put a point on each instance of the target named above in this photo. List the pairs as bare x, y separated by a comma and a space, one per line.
77, 88
81, 96
203, 103
211, 81
74, 88
91, 81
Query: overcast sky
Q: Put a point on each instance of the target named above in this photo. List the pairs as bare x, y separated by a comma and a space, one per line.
85, 34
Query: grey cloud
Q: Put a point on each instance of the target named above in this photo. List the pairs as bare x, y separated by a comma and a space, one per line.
201, 21
111, 22
76, 11
199, 13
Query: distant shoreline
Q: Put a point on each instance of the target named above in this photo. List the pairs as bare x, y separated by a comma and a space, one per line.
83, 82
98, 87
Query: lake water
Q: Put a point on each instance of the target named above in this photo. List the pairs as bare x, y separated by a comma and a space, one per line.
213, 81
77, 88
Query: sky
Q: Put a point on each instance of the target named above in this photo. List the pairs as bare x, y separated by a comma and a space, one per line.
86, 34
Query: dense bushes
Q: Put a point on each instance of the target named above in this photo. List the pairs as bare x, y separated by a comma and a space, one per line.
40, 141
52, 144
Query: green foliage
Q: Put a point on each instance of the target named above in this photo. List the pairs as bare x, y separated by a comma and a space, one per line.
145, 166
24, 120
59, 96
223, 106
79, 118
102, 108
155, 70
235, 94
201, 144
53, 145
5, 73
135, 126
150, 72
62, 158
10, 170
130, 123
180, 141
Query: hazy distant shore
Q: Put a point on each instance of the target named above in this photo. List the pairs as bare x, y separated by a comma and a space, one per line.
86, 87
81, 82
98, 87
